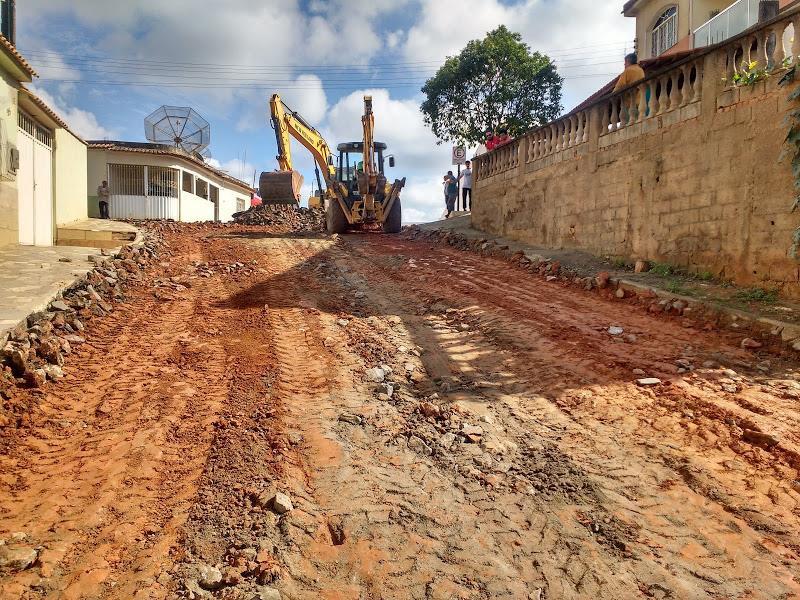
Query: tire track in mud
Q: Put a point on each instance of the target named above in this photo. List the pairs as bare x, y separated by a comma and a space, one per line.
548, 372
581, 486
104, 478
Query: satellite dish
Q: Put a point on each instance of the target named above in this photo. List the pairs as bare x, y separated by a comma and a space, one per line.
178, 126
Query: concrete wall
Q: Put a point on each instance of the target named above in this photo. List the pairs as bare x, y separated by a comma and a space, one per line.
694, 180
97, 172
70, 173
231, 201
9, 206
192, 207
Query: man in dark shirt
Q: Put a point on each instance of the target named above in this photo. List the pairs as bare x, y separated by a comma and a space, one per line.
451, 192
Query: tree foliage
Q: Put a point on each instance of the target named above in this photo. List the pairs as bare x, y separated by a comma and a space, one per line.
493, 83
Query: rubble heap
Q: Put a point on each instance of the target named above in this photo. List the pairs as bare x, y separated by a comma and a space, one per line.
34, 351
287, 217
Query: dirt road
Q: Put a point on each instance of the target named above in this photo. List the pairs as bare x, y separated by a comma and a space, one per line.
507, 452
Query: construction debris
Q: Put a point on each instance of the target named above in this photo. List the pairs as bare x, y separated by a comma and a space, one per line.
286, 217
34, 351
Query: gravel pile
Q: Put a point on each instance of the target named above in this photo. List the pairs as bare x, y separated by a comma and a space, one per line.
290, 217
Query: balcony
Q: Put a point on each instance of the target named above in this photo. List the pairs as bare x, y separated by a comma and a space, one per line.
733, 20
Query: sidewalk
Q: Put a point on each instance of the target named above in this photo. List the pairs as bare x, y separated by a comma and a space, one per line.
32, 276
742, 304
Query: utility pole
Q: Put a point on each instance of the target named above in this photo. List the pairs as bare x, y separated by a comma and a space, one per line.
458, 196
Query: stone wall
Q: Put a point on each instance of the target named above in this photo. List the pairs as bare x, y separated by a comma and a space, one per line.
682, 168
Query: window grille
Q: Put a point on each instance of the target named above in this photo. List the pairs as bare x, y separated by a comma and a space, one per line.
665, 32
240, 204
126, 180
32, 128
162, 181
201, 188
188, 182
213, 193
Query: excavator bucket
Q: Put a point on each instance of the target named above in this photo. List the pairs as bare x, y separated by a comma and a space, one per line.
280, 187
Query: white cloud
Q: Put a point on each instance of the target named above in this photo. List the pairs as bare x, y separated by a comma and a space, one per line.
585, 37
82, 122
236, 167
397, 122
304, 94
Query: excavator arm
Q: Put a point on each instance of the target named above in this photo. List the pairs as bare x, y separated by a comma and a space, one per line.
287, 122
283, 186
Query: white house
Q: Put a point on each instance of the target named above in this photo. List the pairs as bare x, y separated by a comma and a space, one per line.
42, 162
158, 181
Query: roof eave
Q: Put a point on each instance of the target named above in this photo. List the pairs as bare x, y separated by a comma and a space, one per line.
629, 9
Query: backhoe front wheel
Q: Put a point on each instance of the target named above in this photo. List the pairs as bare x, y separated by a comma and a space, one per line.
393, 221
335, 219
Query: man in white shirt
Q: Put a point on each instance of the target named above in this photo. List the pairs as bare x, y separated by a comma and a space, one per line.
466, 186
103, 195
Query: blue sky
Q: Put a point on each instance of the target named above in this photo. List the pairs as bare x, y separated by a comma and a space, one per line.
105, 66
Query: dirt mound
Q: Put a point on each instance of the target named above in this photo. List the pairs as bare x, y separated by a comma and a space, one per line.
289, 217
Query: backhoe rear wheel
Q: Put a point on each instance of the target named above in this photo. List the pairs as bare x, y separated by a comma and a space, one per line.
393, 221
335, 219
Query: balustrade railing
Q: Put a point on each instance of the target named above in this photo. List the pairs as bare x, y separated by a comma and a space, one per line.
772, 47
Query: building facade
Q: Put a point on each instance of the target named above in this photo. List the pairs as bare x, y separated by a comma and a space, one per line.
157, 181
42, 162
671, 26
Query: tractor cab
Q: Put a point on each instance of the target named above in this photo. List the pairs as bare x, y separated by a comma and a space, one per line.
351, 163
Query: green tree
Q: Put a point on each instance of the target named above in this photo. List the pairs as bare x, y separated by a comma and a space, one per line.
493, 83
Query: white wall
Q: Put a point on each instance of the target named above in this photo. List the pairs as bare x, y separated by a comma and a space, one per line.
70, 177
231, 201
193, 208
9, 203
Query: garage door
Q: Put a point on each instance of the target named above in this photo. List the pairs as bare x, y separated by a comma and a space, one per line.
35, 183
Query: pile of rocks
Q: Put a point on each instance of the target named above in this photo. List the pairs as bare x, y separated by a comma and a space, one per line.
286, 217
34, 351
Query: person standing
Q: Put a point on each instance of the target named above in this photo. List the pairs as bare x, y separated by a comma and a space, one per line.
103, 196
451, 192
632, 73
466, 185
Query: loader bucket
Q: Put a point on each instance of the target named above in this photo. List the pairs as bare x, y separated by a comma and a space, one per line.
280, 187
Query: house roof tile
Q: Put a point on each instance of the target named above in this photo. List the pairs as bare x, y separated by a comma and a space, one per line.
11, 49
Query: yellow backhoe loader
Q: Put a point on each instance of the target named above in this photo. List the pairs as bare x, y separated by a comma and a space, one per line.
355, 194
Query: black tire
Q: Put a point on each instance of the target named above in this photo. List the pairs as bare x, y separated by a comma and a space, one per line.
394, 220
335, 219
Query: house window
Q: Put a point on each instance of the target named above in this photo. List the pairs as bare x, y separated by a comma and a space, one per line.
162, 181
33, 129
188, 182
126, 180
240, 204
214, 193
201, 188
7, 20
665, 31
